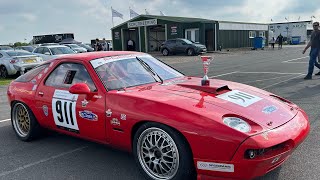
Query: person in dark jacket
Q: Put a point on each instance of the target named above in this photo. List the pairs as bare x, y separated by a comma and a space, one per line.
314, 43
98, 45
280, 41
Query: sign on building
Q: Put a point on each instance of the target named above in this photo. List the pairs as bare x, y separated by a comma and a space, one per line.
149, 22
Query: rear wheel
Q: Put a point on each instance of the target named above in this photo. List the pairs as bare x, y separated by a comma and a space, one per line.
165, 52
24, 122
3, 72
190, 52
162, 154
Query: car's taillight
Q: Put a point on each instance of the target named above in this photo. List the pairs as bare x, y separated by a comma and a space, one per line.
12, 61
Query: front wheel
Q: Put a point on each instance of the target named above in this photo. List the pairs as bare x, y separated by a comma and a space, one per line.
162, 154
165, 52
24, 122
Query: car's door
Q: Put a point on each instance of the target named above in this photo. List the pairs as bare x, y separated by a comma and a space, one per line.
181, 46
72, 113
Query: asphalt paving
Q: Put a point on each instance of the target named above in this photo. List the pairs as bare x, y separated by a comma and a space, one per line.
57, 156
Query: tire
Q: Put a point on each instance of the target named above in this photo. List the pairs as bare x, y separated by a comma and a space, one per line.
165, 52
3, 72
24, 122
190, 52
151, 151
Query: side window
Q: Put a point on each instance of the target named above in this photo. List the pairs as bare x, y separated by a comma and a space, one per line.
1, 55
45, 50
68, 74
39, 50
179, 42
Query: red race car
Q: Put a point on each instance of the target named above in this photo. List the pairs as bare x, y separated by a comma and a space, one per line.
175, 127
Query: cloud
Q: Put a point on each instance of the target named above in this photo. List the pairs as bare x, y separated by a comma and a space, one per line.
29, 17
91, 19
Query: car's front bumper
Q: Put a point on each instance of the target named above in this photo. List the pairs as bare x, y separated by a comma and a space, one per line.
280, 143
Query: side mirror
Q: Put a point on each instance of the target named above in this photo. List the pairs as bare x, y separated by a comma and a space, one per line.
80, 88
47, 53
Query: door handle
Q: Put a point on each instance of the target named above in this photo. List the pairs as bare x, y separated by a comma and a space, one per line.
40, 93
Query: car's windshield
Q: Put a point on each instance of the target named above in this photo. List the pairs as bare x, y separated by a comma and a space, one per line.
187, 41
61, 50
73, 46
130, 72
27, 48
18, 53
5, 48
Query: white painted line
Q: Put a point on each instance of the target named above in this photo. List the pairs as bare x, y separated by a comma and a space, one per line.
267, 73
282, 81
294, 59
267, 79
224, 74
5, 120
41, 161
298, 62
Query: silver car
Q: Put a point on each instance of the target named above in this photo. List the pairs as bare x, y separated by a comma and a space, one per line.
51, 52
76, 48
13, 61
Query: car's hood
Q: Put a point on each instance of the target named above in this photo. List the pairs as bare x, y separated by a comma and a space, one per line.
199, 45
241, 100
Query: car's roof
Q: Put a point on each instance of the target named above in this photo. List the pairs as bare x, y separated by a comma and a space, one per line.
96, 55
53, 46
13, 50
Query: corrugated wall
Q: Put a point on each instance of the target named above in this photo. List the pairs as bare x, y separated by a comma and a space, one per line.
234, 39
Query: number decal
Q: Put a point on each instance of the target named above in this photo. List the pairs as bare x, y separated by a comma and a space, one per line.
64, 110
241, 98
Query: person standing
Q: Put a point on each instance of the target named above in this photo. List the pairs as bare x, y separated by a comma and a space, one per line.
98, 45
272, 42
314, 43
280, 41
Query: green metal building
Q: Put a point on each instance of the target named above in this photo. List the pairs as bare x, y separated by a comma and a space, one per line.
148, 32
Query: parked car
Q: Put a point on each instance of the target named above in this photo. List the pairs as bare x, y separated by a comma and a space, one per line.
88, 48
76, 48
175, 46
5, 48
14, 61
53, 51
26, 48
176, 128
49, 44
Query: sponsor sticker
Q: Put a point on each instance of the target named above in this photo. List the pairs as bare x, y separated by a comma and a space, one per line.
221, 167
33, 81
46, 70
61, 94
115, 122
84, 103
109, 113
39, 76
34, 87
269, 109
45, 110
123, 117
89, 115
240, 98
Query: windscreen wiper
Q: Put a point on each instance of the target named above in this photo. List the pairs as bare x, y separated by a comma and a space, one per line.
148, 68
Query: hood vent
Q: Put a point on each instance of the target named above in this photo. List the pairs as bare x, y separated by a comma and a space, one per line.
207, 89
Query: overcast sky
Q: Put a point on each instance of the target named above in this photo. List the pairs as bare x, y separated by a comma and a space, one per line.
90, 19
